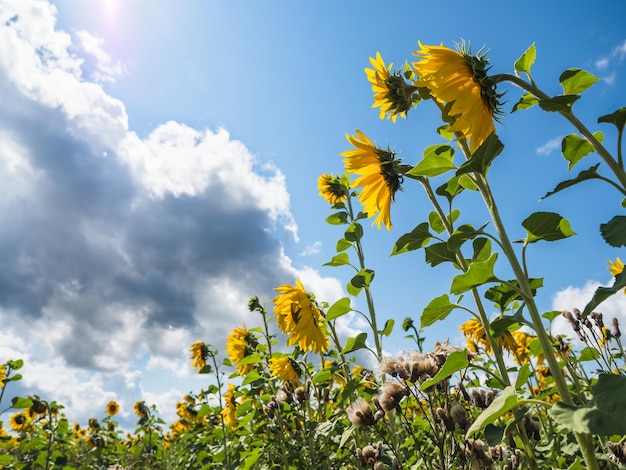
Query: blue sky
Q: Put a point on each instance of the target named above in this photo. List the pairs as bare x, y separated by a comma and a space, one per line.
160, 164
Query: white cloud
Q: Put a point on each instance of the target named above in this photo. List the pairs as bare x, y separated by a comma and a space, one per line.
602, 64
620, 51
106, 69
549, 146
312, 249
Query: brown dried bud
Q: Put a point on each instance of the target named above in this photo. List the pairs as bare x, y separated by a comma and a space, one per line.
301, 394
616, 332
445, 419
360, 413
458, 414
391, 395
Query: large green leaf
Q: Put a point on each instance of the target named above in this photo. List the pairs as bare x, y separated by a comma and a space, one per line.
603, 293
548, 226
527, 59
438, 253
501, 325
574, 148
455, 362
413, 240
462, 234
339, 260
481, 159
575, 81
355, 343
525, 102
614, 231
479, 273
504, 402
338, 309
561, 103
451, 188
338, 218
618, 118
438, 309
588, 174
604, 415
437, 160
504, 294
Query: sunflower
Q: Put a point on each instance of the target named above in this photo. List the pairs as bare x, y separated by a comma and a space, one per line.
285, 368
392, 94
112, 408
460, 80
3, 375
229, 412
474, 331
199, 353
616, 268
379, 178
240, 343
19, 421
141, 409
333, 188
297, 315
178, 427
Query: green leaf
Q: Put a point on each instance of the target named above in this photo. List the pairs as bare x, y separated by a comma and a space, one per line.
16, 364
323, 376
435, 222
455, 362
479, 273
551, 315
347, 434
481, 159
250, 359
560, 103
343, 244
363, 278
339, 260
338, 309
504, 402
355, 343
602, 293
352, 289
584, 175
251, 458
386, 331
494, 434
527, 59
604, 415
251, 376
437, 160
522, 376
575, 81
438, 309
438, 253
574, 148
504, 294
413, 240
354, 232
588, 354
462, 234
482, 249
5, 459
614, 231
618, 118
338, 218
501, 325
20, 402
525, 102
450, 189
548, 226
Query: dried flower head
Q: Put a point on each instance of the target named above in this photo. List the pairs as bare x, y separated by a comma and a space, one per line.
360, 413
392, 394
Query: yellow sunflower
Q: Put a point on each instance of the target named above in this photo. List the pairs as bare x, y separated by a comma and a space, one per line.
379, 178
112, 408
141, 409
297, 315
332, 188
240, 343
616, 268
285, 369
19, 421
460, 80
474, 331
392, 94
199, 353
178, 427
229, 412
3, 375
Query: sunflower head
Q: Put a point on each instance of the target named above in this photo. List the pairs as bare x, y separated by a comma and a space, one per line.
200, 352
240, 344
334, 189
112, 408
286, 369
392, 94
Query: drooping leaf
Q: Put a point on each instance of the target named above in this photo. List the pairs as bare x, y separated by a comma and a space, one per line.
438, 253
338, 218
437, 160
413, 240
575, 81
455, 362
525, 102
354, 232
462, 234
355, 343
482, 249
560, 103
526, 60
339, 260
574, 148
548, 226
551, 315
342, 244
523, 374
604, 415
588, 174
618, 118
504, 402
338, 309
21, 402
614, 231
438, 309
450, 189
504, 294
479, 273
501, 325
603, 293
481, 159
386, 331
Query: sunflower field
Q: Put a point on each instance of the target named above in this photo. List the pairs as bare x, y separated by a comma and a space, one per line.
289, 393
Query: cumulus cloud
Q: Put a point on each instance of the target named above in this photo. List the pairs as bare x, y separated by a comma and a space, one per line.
549, 146
118, 247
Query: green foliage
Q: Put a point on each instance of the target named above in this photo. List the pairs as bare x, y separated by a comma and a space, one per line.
614, 231
548, 226
574, 148
527, 59
575, 81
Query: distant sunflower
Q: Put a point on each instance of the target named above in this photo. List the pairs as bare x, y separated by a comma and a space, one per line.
285, 368
141, 409
392, 94
240, 343
460, 79
112, 408
379, 178
616, 268
19, 421
332, 188
474, 331
178, 427
3, 375
297, 315
229, 412
199, 354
